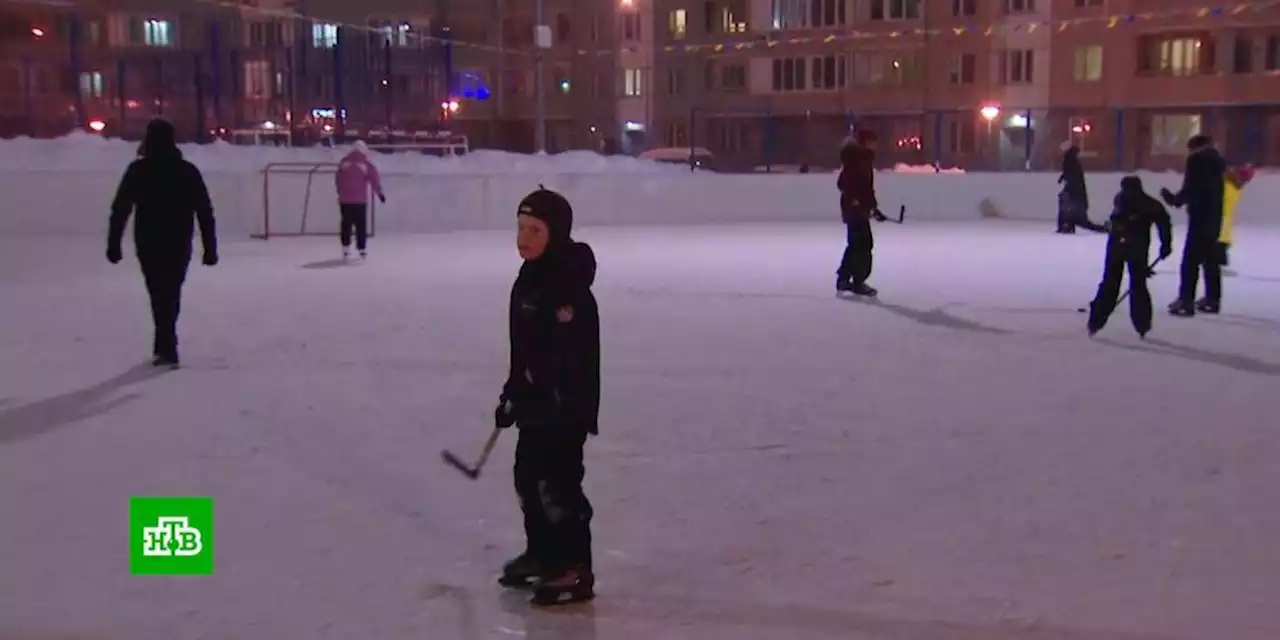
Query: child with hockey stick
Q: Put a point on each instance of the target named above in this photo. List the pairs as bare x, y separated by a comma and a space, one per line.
552, 393
1127, 247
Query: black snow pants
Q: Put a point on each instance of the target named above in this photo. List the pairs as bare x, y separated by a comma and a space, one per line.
355, 217
1200, 250
856, 263
1123, 255
165, 274
557, 515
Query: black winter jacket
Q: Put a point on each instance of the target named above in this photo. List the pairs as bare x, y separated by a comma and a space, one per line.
1203, 190
168, 195
1131, 220
554, 379
1072, 178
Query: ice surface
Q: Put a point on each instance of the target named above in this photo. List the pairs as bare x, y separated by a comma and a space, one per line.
958, 461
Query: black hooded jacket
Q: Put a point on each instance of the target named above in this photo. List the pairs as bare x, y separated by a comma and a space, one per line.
1134, 213
554, 380
167, 195
1202, 190
1072, 178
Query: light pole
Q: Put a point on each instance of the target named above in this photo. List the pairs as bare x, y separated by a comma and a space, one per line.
542, 40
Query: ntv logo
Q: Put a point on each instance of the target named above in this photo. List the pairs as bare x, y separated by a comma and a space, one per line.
172, 536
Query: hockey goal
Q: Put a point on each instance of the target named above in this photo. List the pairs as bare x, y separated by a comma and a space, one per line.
300, 199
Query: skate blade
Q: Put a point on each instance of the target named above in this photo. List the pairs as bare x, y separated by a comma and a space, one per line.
560, 598
519, 584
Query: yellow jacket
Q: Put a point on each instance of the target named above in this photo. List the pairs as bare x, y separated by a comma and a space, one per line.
1230, 196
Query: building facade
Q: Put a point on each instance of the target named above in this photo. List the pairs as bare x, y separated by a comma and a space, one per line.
981, 84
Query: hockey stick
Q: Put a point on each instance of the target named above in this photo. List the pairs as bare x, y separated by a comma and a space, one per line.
902, 214
1150, 271
472, 471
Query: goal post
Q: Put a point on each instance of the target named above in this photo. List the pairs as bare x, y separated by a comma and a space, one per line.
300, 199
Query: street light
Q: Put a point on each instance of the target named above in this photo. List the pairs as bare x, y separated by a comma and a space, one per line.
990, 112
37, 32
97, 126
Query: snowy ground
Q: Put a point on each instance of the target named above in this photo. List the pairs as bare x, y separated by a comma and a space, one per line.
957, 462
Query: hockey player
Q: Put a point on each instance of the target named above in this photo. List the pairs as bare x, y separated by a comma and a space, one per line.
858, 206
1127, 247
168, 196
1202, 195
1073, 201
355, 176
1236, 179
552, 393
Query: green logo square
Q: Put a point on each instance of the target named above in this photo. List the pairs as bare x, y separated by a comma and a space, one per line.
170, 536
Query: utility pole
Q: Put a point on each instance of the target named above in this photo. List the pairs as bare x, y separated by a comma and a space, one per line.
542, 40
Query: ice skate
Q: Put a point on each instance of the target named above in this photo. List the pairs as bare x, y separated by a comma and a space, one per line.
169, 361
843, 285
573, 585
364, 255
1205, 305
521, 572
1182, 309
864, 290
346, 253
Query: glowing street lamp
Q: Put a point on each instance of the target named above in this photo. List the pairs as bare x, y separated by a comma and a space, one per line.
37, 32
450, 107
97, 126
990, 112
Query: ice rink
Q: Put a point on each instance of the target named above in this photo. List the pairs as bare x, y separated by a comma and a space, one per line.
956, 461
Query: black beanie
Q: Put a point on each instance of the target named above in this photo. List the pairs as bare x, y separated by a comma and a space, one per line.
551, 208
1198, 141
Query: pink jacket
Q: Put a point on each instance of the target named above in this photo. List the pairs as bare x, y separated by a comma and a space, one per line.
355, 175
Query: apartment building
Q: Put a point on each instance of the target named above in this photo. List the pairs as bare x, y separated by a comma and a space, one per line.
975, 83
379, 63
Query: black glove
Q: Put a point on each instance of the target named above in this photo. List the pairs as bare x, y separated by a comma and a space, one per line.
1165, 251
877, 216
114, 255
505, 415
1168, 197
382, 198
210, 258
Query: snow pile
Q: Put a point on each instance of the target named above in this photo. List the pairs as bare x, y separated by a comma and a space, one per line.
924, 168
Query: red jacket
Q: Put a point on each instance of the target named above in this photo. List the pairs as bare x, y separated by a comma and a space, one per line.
857, 180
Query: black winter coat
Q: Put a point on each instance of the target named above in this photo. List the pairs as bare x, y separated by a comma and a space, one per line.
168, 195
1132, 218
1203, 190
554, 379
857, 181
1072, 178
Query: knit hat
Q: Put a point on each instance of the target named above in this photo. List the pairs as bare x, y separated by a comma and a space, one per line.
360, 146
551, 208
1199, 141
160, 139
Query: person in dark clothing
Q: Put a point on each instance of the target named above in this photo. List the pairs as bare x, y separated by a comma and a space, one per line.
1202, 194
858, 205
1073, 201
167, 196
1127, 248
552, 393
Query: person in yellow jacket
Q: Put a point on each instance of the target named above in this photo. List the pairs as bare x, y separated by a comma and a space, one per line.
1234, 181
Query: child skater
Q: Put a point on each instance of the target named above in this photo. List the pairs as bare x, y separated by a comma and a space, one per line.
1234, 182
1127, 247
553, 394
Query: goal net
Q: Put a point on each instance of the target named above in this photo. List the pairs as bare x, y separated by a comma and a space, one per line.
300, 199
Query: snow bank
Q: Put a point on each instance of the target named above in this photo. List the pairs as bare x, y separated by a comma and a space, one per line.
65, 186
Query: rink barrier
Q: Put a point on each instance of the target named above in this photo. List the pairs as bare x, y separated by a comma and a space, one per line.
426, 203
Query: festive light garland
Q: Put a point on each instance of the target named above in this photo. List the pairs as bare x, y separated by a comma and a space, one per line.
770, 41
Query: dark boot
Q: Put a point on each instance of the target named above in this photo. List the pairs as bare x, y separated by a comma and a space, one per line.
521, 572
862, 289
1205, 305
576, 584
843, 284
1182, 309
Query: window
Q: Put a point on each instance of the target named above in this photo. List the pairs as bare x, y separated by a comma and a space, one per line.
789, 74
91, 84
1017, 67
1089, 3
1180, 55
887, 68
264, 35
828, 72
733, 77
733, 18
1242, 60
514, 82
895, 9
963, 8
324, 36
675, 82
595, 28
1271, 61
790, 14
157, 33
1019, 6
256, 77
398, 34
731, 135
676, 135
678, 24
564, 28
1088, 63
1170, 132
632, 82
827, 13
630, 26
960, 136
963, 68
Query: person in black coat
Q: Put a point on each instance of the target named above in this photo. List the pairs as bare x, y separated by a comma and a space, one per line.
1202, 194
1127, 248
552, 393
167, 197
1073, 201
858, 207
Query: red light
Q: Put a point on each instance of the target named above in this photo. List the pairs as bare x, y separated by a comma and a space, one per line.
37, 32
97, 126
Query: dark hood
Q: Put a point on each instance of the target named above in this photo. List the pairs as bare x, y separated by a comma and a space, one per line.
1072, 153
854, 153
161, 140
570, 266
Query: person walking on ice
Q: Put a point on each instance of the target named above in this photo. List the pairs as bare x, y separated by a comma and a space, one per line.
356, 176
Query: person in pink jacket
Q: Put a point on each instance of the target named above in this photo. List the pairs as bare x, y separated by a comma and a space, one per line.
356, 175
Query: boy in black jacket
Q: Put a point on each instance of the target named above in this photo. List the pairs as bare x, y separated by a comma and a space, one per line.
167, 196
1127, 247
553, 393
1202, 194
